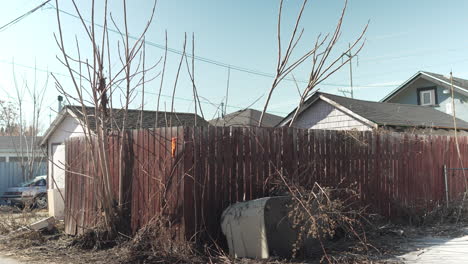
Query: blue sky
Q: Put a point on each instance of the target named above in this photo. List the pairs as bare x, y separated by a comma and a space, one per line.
403, 38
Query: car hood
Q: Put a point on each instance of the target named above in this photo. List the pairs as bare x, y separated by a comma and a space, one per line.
17, 189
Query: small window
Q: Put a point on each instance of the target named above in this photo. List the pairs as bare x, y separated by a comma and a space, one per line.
15, 159
427, 96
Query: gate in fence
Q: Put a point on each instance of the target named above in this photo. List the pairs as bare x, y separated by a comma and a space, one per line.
456, 183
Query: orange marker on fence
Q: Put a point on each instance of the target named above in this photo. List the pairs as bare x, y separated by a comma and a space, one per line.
174, 146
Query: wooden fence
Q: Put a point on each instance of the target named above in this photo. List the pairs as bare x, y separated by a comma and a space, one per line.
190, 175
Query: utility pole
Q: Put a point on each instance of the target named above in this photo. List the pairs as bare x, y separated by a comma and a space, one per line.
350, 56
222, 109
351, 70
227, 90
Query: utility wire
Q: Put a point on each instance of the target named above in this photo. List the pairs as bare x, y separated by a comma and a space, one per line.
203, 59
206, 60
163, 95
18, 19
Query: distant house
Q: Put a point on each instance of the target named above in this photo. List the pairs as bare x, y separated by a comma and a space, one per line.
332, 112
70, 123
17, 148
21, 159
246, 118
433, 90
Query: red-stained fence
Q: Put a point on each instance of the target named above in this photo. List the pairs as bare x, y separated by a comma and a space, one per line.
190, 175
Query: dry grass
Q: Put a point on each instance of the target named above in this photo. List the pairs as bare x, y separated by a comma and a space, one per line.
154, 244
12, 218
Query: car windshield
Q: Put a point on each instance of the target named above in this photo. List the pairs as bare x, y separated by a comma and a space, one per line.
28, 183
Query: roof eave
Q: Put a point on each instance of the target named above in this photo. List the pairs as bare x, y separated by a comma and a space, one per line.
445, 82
396, 90
410, 80
61, 116
360, 118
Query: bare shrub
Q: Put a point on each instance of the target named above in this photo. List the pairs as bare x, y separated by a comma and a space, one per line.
156, 243
441, 214
13, 218
323, 213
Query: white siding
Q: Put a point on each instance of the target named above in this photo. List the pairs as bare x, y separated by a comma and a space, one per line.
322, 115
69, 127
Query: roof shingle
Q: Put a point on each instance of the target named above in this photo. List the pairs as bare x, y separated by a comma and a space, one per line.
392, 114
246, 118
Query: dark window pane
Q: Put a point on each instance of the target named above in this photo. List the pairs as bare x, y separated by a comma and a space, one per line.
41, 183
15, 159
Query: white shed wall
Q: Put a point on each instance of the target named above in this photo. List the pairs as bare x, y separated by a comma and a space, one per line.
69, 127
322, 115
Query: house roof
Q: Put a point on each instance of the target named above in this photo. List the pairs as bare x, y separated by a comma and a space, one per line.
459, 84
14, 142
133, 119
387, 114
246, 117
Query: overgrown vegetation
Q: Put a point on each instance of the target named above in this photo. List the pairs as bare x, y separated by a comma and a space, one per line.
13, 218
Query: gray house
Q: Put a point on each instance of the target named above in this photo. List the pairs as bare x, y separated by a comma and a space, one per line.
17, 148
434, 91
333, 112
20, 159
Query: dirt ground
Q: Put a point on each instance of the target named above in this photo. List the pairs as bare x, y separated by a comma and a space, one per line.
387, 243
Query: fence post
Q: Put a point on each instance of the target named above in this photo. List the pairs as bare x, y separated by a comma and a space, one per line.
446, 186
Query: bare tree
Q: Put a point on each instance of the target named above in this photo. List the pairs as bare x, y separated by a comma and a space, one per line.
94, 85
8, 118
29, 156
322, 65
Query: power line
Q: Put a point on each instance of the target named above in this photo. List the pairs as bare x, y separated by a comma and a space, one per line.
199, 58
163, 95
16, 20
206, 60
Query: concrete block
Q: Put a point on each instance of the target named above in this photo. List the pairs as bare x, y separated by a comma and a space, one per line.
42, 224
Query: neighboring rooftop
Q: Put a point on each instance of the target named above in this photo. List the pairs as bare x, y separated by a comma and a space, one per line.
462, 83
459, 84
390, 114
149, 117
133, 118
14, 142
246, 118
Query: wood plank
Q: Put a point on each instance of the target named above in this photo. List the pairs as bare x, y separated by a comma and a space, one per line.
218, 182
227, 168
254, 156
247, 165
240, 167
235, 161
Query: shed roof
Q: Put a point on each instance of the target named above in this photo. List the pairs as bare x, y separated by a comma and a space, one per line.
149, 117
133, 119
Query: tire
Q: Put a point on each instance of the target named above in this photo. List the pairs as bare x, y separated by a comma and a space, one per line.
40, 202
